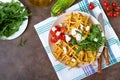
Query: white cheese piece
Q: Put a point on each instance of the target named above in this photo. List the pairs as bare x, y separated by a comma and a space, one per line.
58, 33
73, 32
53, 29
81, 26
64, 50
73, 60
65, 24
67, 38
60, 25
102, 34
78, 37
83, 38
87, 28
95, 39
58, 41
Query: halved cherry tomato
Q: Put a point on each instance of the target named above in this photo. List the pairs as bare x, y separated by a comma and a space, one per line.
58, 28
53, 39
62, 37
63, 29
105, 3
114, 4
52, 33
91, 6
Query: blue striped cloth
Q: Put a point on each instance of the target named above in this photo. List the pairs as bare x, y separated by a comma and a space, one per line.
113, 43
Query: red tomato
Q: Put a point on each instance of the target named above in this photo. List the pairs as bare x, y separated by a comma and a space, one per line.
114, 4
115, 15
58, 28
105, 3
52, 33
53, 39
117, 8
110, 13
91, 6
63, 29
108, 8
62, 37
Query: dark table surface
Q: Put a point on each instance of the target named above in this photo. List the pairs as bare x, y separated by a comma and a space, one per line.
31, 62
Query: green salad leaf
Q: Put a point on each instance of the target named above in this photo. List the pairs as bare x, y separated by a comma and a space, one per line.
73, 41
89, 43
12, 15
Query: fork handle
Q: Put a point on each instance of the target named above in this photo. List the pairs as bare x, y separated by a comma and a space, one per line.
106, 55
100, 64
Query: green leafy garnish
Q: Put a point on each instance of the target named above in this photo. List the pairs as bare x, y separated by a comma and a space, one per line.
12, 15
22, 42
79, 49
79, 33
73, 41
89, 43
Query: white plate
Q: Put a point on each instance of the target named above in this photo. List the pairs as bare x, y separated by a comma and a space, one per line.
21, 29
61, 19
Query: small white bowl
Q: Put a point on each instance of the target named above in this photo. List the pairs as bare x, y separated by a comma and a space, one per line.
22, 28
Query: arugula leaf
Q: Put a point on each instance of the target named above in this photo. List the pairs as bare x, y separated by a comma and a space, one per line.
73, 41
22, 42
79, 33
79, 49
89, 43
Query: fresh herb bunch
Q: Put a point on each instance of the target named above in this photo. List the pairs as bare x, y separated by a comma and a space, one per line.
89, 43
12, 15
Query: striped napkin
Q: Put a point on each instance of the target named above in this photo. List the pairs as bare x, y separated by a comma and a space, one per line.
113, 43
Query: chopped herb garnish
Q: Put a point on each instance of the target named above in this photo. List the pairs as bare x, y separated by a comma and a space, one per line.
79, 49
73, 41
79, 32
22, 42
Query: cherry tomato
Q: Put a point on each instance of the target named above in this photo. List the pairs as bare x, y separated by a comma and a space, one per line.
114, 4
58, 28
115, 15
91, 6
105, 3
117, 8
110, 13
108, 8
63, 29
53, 39
62, 37
52, 33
